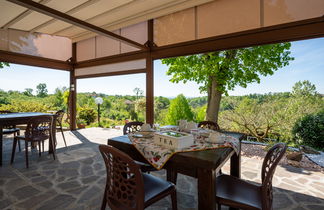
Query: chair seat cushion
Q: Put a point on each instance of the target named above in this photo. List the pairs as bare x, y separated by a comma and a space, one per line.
10, 130
236, 192
153, 186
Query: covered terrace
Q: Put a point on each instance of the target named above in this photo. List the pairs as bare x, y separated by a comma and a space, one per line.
96, 38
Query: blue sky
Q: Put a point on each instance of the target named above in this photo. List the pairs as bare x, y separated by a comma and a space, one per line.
308, 65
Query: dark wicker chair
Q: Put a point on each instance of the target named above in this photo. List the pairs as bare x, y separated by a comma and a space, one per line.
127, 188
209, 125
132, 127
11, 129
237, 193
59, 118
37, 131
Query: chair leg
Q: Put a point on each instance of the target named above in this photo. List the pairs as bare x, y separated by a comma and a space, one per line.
26, 153
63, 136
104, 201
53, 148
219, 206
40, 149
43, 145
174, 200
19, 147
13, 150
15, 134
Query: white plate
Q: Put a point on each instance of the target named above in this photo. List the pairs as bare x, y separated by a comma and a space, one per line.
144, 134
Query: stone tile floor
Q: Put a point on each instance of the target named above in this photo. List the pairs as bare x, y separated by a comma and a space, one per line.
76, 179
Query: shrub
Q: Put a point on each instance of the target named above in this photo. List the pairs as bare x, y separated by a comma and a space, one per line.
87, 114
25, 106
309, 130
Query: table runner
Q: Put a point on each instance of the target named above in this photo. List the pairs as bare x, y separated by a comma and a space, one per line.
158, 155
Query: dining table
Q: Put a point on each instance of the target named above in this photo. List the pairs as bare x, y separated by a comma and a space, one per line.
203, 165
20, 118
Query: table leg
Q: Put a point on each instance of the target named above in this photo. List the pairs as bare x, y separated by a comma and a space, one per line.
236, 167
236, 164
172, 175
206, 189
1, 144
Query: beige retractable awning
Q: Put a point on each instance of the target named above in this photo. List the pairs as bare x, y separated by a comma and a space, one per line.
107, 14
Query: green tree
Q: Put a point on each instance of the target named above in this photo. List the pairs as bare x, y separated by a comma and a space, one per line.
28, 92
3, 64
161, 105
219, 72
304, 101
59, 99
138, 92
304, 88
179, 109
309, 130
41, 90
258, 119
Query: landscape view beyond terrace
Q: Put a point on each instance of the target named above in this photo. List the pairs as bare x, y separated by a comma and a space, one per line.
291, 93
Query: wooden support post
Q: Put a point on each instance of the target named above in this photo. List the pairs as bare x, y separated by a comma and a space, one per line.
149, 90
73, 86
150, 78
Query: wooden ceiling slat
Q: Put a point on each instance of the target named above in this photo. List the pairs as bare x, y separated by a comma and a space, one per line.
67, 18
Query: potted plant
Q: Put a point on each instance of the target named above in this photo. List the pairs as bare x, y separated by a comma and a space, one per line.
81, 123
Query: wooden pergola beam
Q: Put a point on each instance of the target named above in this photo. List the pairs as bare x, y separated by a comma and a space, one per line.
113, 59
30, 60
74, 21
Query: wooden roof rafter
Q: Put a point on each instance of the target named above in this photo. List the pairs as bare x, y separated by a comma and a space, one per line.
77, 22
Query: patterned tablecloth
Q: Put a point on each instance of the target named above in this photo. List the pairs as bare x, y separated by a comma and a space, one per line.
158, 155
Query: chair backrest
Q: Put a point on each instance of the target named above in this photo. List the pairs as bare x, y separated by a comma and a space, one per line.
124, 186
208, 125
269, 165
39, 128
59, 116
132, 127
7, 112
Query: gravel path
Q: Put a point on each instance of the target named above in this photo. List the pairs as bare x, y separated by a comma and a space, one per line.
258, 151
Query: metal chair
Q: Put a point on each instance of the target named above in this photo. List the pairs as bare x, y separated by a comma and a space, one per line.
38, 130
127, 188
209, 125
237, 193
11, 129
59, 118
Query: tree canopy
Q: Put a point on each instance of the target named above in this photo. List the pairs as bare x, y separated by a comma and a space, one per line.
41, 90
179, 109
219, 72
3, 64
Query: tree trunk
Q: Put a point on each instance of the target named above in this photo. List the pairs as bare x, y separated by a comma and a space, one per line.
213, 103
